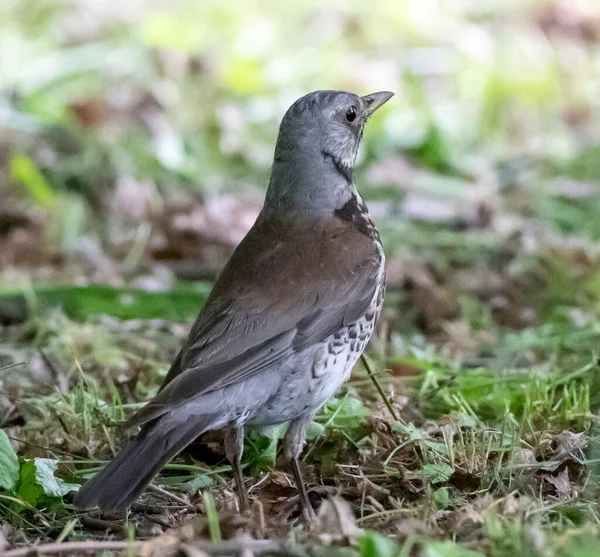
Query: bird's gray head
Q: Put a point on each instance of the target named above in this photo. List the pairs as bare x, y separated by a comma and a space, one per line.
316, 150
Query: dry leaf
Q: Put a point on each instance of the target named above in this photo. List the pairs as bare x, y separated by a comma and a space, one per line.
335, 522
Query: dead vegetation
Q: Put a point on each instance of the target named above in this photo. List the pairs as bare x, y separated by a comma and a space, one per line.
125, 186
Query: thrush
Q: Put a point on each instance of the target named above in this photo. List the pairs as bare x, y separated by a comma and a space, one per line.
288, 317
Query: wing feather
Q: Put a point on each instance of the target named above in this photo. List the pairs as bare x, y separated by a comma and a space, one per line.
249, 325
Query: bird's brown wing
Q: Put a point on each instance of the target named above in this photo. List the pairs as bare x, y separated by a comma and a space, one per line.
271, 301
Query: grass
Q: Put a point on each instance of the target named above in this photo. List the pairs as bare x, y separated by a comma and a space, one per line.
481, 436
494, 450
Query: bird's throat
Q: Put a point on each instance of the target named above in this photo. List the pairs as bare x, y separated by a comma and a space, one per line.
343, 169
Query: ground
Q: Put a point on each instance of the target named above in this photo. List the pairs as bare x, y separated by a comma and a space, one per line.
134, 163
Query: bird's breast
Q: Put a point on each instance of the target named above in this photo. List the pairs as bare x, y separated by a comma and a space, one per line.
355, 211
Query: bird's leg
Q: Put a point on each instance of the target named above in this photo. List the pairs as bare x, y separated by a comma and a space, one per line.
234, 448
293, 443
307, 509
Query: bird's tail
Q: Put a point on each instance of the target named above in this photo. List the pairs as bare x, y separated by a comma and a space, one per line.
121, 482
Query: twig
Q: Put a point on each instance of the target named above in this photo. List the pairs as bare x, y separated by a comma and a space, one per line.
169, 495
378, 386
104, 525
47, 449
145, 508
237, 546
10, 366
226, 547
70, 547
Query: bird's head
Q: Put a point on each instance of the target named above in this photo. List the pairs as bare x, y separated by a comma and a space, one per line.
328, 124
315, 154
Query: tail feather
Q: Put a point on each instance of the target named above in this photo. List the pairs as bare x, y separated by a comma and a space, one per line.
123, 480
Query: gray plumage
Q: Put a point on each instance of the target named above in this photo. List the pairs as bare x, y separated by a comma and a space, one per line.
288, 317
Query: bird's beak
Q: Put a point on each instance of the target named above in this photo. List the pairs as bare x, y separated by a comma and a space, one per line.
375, 100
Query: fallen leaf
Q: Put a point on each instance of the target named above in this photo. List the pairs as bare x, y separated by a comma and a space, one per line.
335, 522
560, 482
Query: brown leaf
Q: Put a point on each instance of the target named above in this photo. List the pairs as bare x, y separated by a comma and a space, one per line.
412, 482
335, 522
560, 482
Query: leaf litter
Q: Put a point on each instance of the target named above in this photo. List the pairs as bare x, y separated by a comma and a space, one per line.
487, 350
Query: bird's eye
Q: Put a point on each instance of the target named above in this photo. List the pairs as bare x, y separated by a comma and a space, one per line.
351, 114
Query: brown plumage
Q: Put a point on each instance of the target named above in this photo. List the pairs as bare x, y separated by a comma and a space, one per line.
273, 298
286, 320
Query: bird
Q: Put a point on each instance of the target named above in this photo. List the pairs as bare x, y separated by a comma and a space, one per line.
287, 318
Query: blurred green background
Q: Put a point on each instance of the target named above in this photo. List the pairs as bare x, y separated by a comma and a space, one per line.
136, 139
138, 133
